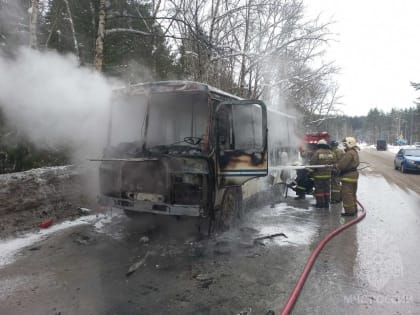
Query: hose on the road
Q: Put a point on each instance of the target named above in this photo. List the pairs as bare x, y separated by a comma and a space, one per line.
301, 281
362, 168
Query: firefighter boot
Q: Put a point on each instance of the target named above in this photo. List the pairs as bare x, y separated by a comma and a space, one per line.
300, 197
326, 201
349, 213
319, 202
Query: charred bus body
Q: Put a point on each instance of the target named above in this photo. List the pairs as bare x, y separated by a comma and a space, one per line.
184, 149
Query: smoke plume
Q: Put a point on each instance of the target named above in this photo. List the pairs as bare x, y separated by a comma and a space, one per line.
54, 101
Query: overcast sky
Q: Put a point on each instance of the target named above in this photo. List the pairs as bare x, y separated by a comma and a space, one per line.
378, 51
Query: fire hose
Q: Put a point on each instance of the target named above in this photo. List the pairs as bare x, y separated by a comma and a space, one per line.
302, 278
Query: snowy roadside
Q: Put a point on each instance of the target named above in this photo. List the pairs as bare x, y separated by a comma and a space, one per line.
391, 148
396, 148
11, 247
30, 197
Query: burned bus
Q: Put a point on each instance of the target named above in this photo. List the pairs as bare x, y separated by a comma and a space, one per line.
183, 149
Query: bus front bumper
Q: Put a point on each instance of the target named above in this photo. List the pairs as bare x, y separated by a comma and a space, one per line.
151, 207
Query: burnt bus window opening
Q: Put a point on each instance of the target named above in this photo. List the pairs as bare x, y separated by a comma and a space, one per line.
247, 127
127, 118
173, 117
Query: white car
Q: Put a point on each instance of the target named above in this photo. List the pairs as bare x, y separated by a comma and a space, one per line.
417, 144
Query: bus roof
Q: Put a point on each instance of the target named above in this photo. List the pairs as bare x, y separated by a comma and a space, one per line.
171, 86
183, 86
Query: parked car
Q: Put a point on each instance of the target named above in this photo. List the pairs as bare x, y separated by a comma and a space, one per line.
417, 144
381, 145
407, 160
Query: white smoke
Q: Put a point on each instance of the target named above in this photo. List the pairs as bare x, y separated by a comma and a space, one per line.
54, 101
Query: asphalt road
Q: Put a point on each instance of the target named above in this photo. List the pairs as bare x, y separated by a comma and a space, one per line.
382, 163
371, 268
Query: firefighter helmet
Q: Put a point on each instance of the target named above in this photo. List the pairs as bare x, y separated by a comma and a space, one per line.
349, 142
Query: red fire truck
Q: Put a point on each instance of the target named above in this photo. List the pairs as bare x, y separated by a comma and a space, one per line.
309, 142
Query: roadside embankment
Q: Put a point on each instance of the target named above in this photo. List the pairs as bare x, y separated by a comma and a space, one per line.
30, 197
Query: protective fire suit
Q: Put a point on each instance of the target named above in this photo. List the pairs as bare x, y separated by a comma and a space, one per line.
322, 176
303, 184
335, 178
347, 168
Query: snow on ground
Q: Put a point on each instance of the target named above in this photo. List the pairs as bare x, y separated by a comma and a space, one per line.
391, 148
396, 148
10, 248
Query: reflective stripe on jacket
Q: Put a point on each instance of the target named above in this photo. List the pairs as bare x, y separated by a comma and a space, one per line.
349, 180
323, 157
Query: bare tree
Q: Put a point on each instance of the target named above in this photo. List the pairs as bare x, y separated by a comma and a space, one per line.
416, 86
99, 55
253, 48
33, 23
265, 48
73, 31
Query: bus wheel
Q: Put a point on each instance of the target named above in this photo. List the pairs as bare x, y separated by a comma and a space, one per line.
231, 209
205, 226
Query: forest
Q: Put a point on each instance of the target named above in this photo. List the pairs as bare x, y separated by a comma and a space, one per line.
397, 127
265, 49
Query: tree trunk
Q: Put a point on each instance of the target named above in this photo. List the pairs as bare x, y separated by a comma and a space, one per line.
93, 13
245, 48
73, 32
99, 56
33, 41
57, 14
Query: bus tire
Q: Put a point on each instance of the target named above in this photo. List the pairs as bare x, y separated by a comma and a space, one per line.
205, 226
231, 209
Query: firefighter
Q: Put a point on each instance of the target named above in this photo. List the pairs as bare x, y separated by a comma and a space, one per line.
322, 176
303, 183
307, 152
347, 168
335, 179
